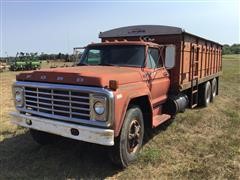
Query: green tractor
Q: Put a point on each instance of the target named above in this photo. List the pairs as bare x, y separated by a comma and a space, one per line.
19, 63
25, 62
33, 62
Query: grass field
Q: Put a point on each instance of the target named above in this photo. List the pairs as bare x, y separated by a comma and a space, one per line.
203, 143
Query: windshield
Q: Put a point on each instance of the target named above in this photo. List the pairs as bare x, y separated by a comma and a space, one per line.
114, 55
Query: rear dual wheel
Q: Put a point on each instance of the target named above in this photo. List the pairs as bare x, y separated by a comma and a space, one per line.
214, 88
205, 93
208, 92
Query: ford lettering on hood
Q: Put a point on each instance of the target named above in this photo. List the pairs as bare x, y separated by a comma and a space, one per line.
84, 75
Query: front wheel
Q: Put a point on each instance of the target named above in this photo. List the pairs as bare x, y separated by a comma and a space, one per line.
130, 140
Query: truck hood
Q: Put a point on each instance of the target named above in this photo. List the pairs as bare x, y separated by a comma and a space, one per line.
84, 75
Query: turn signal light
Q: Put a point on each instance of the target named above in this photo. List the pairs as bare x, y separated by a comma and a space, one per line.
113, 84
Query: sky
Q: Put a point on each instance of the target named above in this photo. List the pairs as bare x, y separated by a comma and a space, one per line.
58, 26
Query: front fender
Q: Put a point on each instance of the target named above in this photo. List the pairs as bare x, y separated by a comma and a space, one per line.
123, 96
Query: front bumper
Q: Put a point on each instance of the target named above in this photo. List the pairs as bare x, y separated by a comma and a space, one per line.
87, 134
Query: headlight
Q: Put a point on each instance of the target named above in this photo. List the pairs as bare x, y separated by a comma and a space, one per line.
99, 108
18, 93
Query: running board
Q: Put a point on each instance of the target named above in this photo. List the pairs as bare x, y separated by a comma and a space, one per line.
159, 119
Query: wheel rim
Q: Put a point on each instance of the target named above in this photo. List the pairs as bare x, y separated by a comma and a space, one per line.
134, 136
208, 94
214, 89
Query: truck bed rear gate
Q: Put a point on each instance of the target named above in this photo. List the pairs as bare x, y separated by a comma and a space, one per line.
194, 75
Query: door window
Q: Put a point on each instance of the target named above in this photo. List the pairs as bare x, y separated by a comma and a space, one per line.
153, 58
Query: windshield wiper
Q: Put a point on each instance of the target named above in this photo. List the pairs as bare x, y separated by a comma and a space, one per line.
105, 64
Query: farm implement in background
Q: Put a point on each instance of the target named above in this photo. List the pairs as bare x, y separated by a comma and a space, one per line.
25, 62
3, 66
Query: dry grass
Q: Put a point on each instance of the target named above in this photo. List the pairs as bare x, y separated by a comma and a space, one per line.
58, 63
202, 143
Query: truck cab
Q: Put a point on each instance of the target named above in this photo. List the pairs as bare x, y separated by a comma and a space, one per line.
144, 60
118, 89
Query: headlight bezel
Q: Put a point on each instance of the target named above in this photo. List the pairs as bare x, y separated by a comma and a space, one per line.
18, 99
94, 99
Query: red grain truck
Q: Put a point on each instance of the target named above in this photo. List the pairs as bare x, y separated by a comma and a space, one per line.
135, 79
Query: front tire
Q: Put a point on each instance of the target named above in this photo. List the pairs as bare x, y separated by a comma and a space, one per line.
44, 138
130, 140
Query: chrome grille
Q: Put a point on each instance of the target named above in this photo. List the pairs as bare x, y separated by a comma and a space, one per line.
61, 104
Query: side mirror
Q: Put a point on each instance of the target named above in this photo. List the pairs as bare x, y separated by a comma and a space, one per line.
170, 53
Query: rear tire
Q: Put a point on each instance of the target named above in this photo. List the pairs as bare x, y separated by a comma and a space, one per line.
44, 138
214, 88
206, 94
130, 139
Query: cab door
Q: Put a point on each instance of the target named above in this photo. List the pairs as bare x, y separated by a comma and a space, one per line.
157, 76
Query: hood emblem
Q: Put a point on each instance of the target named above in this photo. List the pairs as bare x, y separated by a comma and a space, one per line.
43, 77
28, 76
60, 78
79, 79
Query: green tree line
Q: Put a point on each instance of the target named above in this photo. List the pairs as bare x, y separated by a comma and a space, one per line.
43, 56
61, 56
233, 49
